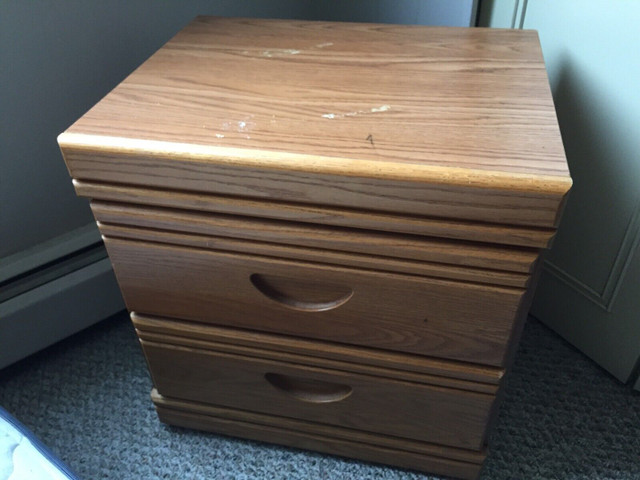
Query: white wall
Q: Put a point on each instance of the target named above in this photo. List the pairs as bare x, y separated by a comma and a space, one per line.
590, 287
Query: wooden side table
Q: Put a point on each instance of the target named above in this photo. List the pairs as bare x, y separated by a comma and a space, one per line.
326, 233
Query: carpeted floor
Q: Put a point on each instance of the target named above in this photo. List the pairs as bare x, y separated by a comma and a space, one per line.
87, 398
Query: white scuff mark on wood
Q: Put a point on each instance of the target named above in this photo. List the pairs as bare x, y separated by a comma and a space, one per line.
382, 108
245, 125
219, 135
323, 45
279, 52
242, 126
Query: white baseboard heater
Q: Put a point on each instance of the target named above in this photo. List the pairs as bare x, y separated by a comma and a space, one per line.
54, 290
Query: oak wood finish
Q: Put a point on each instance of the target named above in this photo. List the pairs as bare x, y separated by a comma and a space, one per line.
485, 91
316, 255
452, 123
489, 257
455, 320
470, 456
460, 376
324, 438
326, 232
246, 342
421, 412
362, 219
197, 172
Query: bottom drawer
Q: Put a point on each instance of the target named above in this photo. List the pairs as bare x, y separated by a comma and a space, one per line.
427, 457
405, 409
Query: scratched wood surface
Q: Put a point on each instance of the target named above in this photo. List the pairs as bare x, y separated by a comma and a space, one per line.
454, 97
293, 110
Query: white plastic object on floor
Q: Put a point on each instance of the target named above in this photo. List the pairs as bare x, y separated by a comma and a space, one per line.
24, 457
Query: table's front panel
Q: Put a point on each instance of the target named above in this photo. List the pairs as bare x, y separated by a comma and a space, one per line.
480, 262
331, 396
455, 320
336, 440
499, 202
340, 216
368, 361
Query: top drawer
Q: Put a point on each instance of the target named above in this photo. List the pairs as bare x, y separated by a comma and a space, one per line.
414, 121
390, 311
433, 257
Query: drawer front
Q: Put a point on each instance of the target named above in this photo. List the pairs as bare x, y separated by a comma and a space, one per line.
412, 314
370, 447
339, 216
334, 397
474, 262
368, 361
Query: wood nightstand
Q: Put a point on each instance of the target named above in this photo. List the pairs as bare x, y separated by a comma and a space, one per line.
326, 233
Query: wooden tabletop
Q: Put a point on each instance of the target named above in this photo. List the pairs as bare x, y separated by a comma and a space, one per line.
454, 105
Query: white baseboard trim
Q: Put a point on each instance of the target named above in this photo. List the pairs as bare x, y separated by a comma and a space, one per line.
50, 312
32, 258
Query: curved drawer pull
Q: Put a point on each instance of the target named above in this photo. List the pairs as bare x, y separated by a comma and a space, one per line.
314, 391
301, 295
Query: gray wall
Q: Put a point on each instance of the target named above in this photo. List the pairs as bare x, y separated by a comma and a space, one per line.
58, 58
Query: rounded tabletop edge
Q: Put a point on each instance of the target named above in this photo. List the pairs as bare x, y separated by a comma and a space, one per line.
558, 184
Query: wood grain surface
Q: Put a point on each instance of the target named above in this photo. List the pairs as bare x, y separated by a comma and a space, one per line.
471, 456
395, 365
324, 438
453, 97
455, 320
447, 252
322, 256
325, 231
440, 195
399, 222
451, 123
420, 412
